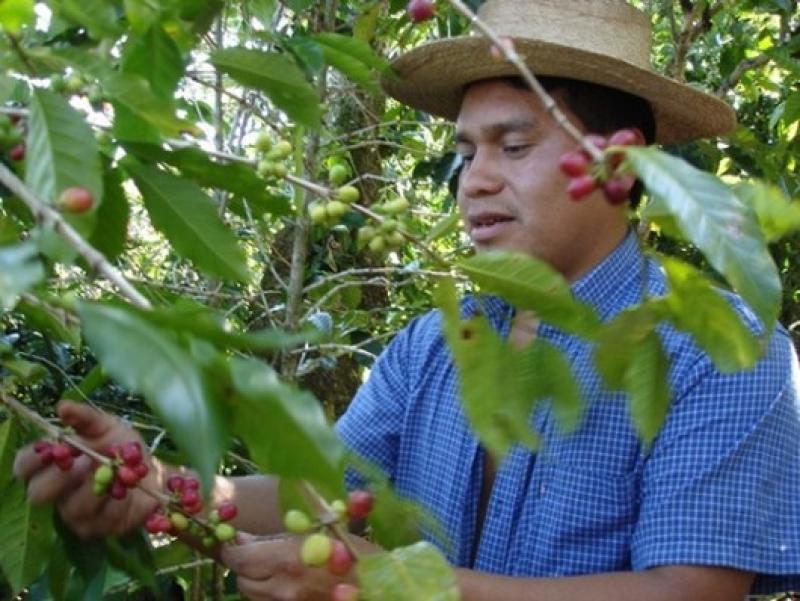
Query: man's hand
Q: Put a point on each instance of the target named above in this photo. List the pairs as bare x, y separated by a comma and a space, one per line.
83, 511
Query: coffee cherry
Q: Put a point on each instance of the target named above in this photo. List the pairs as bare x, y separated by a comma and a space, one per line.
618, 189
127, 476
421, 10
265, 168
281, 150
359, 504
317, 213
209, 541
44, 450
340, 562
132, 453
153, 523
596, 140
179, 521
191, 484
224, 532
339, 508
114, 451
377, 244
316, 550
62, 456
347, 194
175, 483
396, 206
189, 497
574, 164
104, 474
280, 170
344, 592
388, 226
117, 490
73, 83
193, 509
335, 209
624, 137
366, 233
17, 153
297, 522
227, 511
395, 239
338, 174
263, 141
75, 200
141, 470
213, 517
582, 186
99, 489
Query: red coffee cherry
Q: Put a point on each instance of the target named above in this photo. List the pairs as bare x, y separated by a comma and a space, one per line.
191, 483
340, 562
175, 483
17, 153
127, 476
132, 453
618, 189
75, 200
189, 497
359, 504
117, 490
582, 186
227, 511
624, 137
44, 450
574, 163
141, 470
421, 10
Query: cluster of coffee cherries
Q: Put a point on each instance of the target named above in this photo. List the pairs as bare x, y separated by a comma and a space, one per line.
58, 453
273, 155
328, 212
126, 469
320, 550
587, 176
386, 235
11, 138
185, 501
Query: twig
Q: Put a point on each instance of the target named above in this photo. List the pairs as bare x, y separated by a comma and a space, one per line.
549, 103
328, 517
48, 216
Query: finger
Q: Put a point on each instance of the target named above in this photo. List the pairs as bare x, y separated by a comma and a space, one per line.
273, 589
261, 559
50, 484
87, 421
27, 463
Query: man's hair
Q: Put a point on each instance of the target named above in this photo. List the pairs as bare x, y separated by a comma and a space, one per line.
602, 110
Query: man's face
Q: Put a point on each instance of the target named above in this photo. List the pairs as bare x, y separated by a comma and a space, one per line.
511, 193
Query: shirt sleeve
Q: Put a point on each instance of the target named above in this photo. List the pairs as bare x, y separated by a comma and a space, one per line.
721, 485
372, 425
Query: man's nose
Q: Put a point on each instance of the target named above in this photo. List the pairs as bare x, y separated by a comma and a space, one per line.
480, 176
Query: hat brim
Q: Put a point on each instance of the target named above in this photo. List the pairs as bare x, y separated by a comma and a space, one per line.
432, 78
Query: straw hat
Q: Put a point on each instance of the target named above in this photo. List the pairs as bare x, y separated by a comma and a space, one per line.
600, 41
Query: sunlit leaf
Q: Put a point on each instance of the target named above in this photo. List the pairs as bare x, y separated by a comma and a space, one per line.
188, 218
646, 383
153, 365
276, 76
716, 221
155, 57
528, 283
20, 269
353, 57
777, 214
284, 427
417, 572
14, 14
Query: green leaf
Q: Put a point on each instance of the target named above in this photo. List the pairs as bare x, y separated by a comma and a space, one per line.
498, 388
155, 57
52, 321
276, 76
443, 227
132, 555
147, 362
284, 428
646, 382
619, 338
355, 58
417, 572
551, 372
777, 214
528, 283
62, 152
188, 218
237, 178
27, 372
14, 14
8, 448
716, 221
26, 537
365, 25
695, 306
111, 232
20, 269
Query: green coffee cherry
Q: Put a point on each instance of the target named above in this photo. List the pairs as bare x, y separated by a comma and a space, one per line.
347, 194
297, 522
336, 209
396, 206
103, 475
263, 141
388, 226
317, 213
279, 170
316, 550
366, 233
265, 168
396, 239
338, 174
339, 508
281, 150
73, 83
179, 521
99, 489
213, 517
224, 532
209, 541
377, 244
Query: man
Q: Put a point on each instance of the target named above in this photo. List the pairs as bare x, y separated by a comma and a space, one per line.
709, 512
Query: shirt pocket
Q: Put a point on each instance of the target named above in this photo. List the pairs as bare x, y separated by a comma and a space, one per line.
580, 521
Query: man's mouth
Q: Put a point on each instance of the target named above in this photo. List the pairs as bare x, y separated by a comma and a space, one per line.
488, 226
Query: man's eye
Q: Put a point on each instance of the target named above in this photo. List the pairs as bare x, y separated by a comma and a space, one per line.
516, 148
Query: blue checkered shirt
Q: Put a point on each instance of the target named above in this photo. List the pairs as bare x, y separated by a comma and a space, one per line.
719, 486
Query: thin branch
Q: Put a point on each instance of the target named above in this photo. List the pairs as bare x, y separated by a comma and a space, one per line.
48, 216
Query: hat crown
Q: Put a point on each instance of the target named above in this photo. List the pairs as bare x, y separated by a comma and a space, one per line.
608, 27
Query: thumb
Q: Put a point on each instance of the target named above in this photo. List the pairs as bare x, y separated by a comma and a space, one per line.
88, 422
